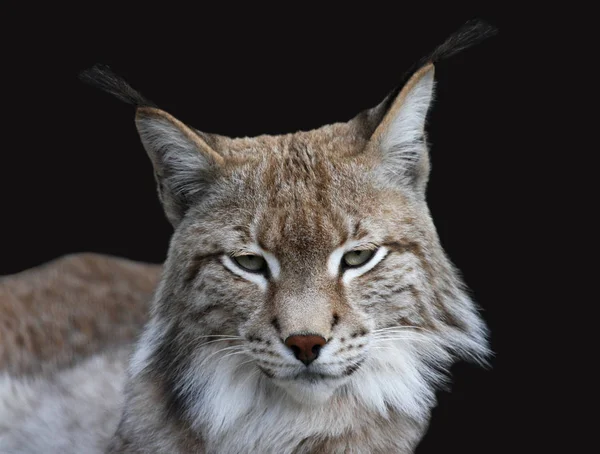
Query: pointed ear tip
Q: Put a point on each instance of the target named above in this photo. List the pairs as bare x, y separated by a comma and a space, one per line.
427, 71
146, 112
424, 75
153, 114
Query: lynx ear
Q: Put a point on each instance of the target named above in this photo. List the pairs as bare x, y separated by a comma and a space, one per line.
396, 127
184, 164
400, 137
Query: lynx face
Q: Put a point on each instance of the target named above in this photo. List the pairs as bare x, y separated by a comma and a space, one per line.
312, 260
307, 261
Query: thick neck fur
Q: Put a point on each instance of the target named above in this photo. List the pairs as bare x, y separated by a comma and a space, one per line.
236, 409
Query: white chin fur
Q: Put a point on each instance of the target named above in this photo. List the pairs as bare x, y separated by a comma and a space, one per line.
312, 393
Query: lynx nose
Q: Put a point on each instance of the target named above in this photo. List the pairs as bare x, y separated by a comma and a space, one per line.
305, 348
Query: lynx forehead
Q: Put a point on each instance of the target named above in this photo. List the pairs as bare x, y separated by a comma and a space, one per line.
306, 304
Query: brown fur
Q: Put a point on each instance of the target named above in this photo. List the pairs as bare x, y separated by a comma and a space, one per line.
59, 313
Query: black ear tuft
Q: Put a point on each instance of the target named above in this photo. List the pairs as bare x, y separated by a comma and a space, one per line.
102, 77
397, 125
470, 34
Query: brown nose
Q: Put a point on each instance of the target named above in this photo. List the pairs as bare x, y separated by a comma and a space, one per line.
305, 348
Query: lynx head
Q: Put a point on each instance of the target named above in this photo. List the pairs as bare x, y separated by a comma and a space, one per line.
304, 266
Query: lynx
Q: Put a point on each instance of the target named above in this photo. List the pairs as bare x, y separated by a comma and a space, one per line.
305, 306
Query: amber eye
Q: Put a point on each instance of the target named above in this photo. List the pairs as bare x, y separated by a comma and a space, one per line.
254, 263
354, 259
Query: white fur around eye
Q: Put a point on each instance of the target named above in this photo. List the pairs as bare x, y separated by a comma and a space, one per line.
258, 279
272, 262
333, 264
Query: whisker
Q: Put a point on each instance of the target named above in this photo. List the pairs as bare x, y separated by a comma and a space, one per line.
399, 333
235, 347
345, 362
382, 347
397, 338
400, 328
253, 374
231, 354
218, 340
245, 362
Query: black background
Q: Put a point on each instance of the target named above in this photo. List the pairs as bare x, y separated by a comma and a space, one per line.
74, 176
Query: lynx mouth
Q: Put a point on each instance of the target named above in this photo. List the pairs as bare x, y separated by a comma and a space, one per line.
312, 376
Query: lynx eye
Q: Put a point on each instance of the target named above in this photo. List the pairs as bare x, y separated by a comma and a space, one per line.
357, 258
254, 263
